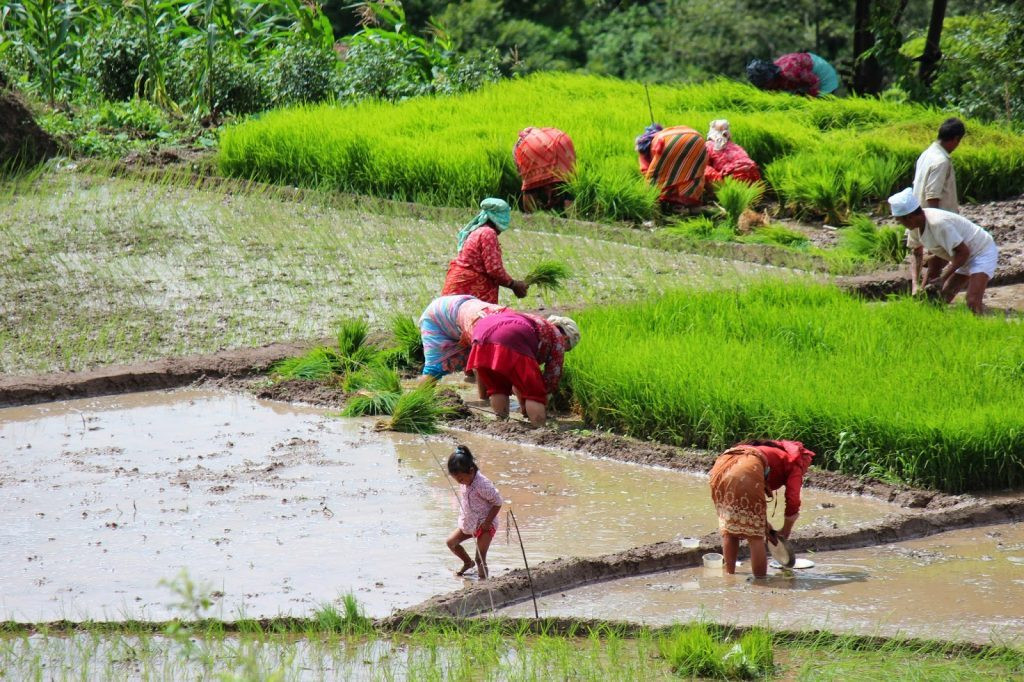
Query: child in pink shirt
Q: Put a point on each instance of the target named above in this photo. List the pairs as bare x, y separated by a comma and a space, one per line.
479, 504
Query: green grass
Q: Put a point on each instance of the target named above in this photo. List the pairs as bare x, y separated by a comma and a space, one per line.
905, 390
101, 270
824, 158
695, 651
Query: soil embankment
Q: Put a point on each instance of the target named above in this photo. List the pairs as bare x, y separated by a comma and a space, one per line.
22, 142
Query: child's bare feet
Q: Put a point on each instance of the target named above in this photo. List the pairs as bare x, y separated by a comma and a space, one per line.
481, 570
465, 567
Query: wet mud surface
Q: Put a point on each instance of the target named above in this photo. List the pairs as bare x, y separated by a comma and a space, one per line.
280, 508
959, 585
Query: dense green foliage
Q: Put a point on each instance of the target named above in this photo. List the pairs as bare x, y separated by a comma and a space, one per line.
854, 381
822, 157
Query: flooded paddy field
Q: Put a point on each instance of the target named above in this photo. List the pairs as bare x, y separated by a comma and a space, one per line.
960, 585
278, 508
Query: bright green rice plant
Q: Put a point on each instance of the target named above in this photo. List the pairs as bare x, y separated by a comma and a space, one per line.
733, 197
867, 240
813, 364
407, 350
350, 620
406, 150
695, 651
316, 365
699, 228
377, 388
776, 234
548, 275
417, 411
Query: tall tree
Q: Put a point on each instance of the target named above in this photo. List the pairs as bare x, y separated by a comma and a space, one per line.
932, 50
867, 74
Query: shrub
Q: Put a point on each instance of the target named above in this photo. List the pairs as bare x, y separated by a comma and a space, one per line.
120, 50
713, 368
302, 73
239, 87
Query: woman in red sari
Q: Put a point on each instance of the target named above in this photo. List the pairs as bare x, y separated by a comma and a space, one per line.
726, 158
742, 479
478, 269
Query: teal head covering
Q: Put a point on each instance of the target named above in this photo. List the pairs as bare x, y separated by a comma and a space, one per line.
492, 210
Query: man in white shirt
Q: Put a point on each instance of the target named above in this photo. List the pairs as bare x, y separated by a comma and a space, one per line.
969, 251
935, 182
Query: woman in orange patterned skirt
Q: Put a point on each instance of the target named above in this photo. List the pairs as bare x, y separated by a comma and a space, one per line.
673, 159
743, 478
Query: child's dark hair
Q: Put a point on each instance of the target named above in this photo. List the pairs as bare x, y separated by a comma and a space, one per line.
461, 461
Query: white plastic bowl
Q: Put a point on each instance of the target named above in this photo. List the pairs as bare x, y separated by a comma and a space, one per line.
713, 560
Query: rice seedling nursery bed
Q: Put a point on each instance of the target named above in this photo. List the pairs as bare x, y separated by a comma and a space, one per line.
857, 382
822, 157
108, 270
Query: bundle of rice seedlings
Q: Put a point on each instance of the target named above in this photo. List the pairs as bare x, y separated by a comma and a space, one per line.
417, 411
776, 234
699, 228
316, 365
548, 275
867, 240
353, 350
378, 389
408, 348
735, 197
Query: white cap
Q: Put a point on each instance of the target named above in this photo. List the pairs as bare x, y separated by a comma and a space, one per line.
903, 203
569, 328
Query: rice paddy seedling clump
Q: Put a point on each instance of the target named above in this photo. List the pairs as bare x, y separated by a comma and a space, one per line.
417, 411
549, 275
867, 240
408, 344
733, 197
696, 652
814, 364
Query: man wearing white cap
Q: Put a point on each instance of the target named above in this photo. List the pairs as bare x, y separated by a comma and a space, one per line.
970, 251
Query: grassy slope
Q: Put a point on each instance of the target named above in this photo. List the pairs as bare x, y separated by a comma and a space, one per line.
903, 391
106, 271
819, 154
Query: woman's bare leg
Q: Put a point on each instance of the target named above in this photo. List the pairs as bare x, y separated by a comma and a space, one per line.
730, 548
499, 404
758, 557
536, 412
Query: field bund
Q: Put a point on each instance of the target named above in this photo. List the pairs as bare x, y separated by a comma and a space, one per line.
901, 391
822, 157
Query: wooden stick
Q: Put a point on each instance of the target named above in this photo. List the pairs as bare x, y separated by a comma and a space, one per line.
650, 110
529, 577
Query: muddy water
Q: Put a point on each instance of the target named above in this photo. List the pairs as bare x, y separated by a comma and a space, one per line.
966, 584
278, 509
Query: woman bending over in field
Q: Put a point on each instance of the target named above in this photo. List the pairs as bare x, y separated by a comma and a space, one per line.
742, 479
446, 327
673, 160
508, 350
726, 158
478, 269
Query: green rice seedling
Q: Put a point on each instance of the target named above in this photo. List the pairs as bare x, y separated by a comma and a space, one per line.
352, 336
413, 161
408, 348
758, 362
867, 240
378, 389
549, 275
417, 411
733, 197
694, 652
776, 234
316, 365
351, 620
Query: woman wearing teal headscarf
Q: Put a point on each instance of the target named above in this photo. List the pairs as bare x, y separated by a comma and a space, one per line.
478, 269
